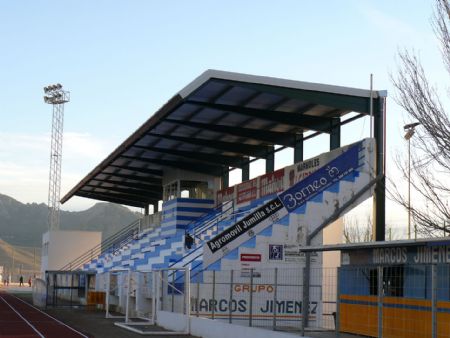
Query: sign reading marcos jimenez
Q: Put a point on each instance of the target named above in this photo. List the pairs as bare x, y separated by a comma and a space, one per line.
242, 300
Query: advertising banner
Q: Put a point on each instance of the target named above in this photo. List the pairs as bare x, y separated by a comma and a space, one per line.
242, 231
308, 188
225, 195
277, 181
247, 191
271, 183
289, 253
245, 257
261, 301
291, 199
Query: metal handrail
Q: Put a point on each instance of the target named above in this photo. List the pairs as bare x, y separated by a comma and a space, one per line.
204, 229
212, 222
190, 225
105, 245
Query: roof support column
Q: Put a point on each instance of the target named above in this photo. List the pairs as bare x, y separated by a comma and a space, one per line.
270, 160
380, 187
146, 210
245, 171
225, 179
298, 148
335, 133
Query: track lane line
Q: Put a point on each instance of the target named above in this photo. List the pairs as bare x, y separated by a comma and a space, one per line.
57, 320
23, 318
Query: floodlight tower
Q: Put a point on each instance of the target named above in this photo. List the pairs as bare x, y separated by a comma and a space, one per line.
56, 96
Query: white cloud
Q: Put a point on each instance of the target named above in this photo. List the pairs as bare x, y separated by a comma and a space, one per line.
387, 22
395, 29
24, 163
84, 145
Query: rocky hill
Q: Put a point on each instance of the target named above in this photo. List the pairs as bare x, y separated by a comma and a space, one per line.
23, 224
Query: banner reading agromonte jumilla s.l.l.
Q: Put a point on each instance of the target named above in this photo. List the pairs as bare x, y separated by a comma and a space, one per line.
286, 202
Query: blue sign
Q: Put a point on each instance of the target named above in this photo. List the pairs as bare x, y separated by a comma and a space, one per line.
306, 189
275, 252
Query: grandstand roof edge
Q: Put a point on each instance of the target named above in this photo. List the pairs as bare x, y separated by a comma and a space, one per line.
376, 244
167, 107
259, 83
278, 82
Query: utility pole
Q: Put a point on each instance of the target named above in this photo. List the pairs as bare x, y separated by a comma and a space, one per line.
56, 96
410, 130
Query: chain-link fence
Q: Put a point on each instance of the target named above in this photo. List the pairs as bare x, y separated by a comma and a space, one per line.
405, 300
395, 301
376, 301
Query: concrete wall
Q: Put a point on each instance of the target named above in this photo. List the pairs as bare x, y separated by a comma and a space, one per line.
61, 247
208, 328
333, 234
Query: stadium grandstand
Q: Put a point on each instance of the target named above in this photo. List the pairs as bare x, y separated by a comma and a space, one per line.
232, 253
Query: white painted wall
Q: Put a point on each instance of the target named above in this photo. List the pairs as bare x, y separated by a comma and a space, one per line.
209, 328
61, 247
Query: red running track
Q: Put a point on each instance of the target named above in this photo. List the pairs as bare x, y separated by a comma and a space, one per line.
21, 320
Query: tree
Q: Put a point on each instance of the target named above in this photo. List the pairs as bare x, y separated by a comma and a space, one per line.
357, 230
430, 149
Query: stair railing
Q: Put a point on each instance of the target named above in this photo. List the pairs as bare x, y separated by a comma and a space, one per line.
113, 243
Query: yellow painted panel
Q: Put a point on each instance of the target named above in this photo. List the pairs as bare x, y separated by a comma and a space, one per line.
397, 322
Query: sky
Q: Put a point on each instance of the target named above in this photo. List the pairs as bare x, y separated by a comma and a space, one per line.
122, 60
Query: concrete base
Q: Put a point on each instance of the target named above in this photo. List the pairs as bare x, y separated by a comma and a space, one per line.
209, 328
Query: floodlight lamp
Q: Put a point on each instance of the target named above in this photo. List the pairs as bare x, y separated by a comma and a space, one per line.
59, 85
409, 134
411, 125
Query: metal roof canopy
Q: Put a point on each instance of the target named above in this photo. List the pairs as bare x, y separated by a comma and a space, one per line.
376, 245
219, 120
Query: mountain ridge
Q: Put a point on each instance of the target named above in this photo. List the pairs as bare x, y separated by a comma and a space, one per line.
23, 224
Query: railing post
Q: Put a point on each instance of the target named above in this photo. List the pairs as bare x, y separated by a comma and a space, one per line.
275, 282
47, 279
213, 293
230, 301
337, 324
305, 298
433, 300
71, 288
250, 317
198, 297
172, 287
380, 301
